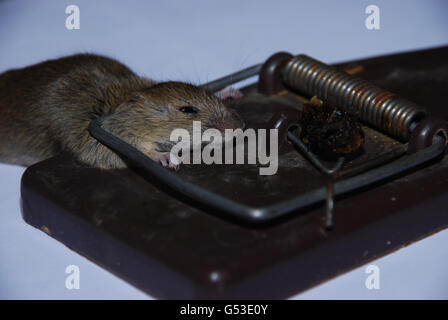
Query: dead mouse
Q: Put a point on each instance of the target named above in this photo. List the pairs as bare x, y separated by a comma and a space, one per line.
45, 109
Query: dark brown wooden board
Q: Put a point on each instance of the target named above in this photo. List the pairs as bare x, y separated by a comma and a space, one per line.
170, 248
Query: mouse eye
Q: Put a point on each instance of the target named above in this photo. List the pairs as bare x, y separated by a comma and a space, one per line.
189, 109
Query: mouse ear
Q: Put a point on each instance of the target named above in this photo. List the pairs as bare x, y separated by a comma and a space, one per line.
229, 93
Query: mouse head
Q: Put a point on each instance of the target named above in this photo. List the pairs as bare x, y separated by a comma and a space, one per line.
175, 105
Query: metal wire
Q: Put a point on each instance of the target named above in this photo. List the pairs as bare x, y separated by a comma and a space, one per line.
223, 82
252, 214
376, 107
313, 158
329, 205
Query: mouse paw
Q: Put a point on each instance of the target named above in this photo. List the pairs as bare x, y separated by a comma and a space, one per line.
229, 93
165, 160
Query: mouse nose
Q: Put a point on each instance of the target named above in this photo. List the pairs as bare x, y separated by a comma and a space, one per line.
231, 121
235, 122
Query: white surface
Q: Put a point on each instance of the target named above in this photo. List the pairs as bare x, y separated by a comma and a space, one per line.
199, 41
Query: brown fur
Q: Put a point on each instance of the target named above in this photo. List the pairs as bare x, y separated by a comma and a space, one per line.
46, 109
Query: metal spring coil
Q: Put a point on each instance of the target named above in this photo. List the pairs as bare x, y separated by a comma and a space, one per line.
376, 107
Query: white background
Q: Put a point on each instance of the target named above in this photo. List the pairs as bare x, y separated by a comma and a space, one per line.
199, 41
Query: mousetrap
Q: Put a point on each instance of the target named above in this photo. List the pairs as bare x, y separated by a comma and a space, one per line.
224, 231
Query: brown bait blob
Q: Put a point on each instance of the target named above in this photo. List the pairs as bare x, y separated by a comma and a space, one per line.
329, 131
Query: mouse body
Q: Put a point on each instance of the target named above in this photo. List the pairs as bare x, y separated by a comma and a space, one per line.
46, 109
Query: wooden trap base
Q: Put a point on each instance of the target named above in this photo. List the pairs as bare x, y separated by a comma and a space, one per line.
170, 248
